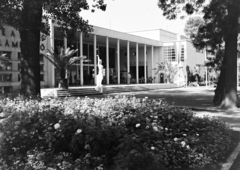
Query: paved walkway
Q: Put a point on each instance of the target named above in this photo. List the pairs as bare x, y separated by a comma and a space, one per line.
200, 99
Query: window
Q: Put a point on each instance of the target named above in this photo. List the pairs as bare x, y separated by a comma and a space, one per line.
19, 77
182, 53
169, 53
19, 56
7, 89
6, 77
41, 67
7, 67
41, 57
42, 77
8, 54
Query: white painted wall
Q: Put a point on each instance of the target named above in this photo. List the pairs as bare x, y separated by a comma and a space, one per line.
152, 34
167, 36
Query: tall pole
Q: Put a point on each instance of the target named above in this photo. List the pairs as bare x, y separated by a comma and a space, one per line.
206, 76
107, 60
95, 57
81, 61
118, 61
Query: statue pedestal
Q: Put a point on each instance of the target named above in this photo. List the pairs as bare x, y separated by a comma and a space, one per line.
99, 88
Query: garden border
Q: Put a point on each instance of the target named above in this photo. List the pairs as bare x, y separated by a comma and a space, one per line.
231, 158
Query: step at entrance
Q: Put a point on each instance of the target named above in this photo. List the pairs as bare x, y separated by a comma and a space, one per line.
77, 92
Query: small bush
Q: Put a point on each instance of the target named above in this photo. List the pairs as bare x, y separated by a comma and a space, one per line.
112, 133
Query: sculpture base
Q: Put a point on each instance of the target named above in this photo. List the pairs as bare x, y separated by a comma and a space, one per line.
99, 89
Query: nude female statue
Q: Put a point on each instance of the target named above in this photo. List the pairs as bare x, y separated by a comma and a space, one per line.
99, 76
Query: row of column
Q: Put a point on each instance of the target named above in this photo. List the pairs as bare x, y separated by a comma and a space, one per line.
107, 58
128, 59
118, 59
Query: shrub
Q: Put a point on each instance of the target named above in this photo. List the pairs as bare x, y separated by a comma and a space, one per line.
118, 133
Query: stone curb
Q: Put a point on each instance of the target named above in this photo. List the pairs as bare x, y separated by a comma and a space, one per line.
231, 158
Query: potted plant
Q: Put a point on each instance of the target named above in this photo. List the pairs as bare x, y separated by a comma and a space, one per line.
63, 60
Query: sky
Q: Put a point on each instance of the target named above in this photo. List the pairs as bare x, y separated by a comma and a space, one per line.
132, 15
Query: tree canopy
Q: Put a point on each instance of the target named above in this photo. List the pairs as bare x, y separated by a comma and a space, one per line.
30, 17
66, 12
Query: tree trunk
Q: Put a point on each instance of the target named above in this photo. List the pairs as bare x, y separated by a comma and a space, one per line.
64, 79
226, 91
30, 42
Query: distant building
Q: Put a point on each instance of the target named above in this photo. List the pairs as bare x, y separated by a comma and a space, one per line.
120, 52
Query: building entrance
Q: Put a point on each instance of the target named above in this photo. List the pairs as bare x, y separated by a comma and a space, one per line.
161, 77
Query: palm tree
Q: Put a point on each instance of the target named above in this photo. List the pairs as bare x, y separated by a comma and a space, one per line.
63, 60
168, 68
3, 61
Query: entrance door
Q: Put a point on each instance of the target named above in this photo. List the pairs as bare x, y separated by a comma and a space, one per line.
161, 78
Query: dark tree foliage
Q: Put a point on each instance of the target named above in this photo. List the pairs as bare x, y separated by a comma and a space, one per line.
30, 17
221, 28
216, 62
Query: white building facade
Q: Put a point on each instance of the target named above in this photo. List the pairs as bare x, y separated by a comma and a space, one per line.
120, 52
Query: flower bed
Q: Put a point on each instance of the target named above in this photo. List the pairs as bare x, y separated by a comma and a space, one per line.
111, 133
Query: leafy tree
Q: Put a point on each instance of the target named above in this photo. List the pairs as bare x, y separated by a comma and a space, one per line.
30, 17
63, 60
192, 26
221, 28
216, 62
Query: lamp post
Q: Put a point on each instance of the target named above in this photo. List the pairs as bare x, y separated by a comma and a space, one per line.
206, 68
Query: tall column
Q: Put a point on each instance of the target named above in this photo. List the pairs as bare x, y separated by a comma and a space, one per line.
145, 63
118, 61
95, 56
128, 54
78, 54
107, 60
65, 42
137, 74
51, 68
81, 61
237, 75
152, 62
67, 73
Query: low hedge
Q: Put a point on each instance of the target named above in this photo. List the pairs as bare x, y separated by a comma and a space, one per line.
115, 133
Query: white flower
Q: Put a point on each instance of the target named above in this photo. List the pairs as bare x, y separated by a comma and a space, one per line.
175, 139
137, 125
155, 128
152, 148
78, 131
57, 126
2, 114
188, 147
166, 129
197, 134
184, 135
183, 143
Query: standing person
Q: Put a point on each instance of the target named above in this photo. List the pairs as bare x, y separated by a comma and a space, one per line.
99, 76
129, 78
